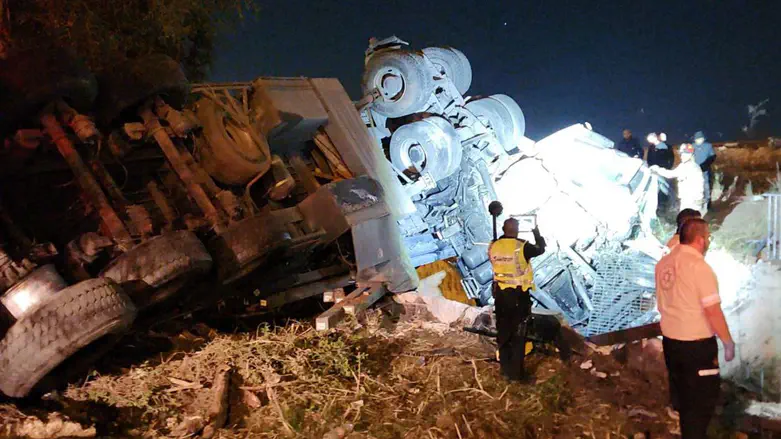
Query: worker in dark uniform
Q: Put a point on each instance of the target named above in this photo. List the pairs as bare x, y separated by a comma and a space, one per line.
513, 280
629, 145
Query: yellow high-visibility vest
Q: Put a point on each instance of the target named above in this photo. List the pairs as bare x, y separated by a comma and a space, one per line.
511, 269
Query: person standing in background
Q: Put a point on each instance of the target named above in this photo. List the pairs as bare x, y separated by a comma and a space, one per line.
629, 145
659, 154
704, 156
689, 178
683, 216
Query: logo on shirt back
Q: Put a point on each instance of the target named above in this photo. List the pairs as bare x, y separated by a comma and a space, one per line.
667, 276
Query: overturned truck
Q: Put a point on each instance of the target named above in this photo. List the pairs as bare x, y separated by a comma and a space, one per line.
453, 154
134, 192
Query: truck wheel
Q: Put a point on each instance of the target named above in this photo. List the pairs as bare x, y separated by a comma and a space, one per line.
70, 320
135, 81
431, 145
30, 79
403, 81
453, 64
157, 269
226, 150
245, 246
503, 115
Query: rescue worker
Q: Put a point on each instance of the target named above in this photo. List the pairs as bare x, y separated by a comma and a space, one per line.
683, 216
629, 145
690, 306
513, 280
689, 178
704, 155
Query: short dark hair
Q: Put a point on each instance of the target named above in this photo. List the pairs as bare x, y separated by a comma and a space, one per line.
693, 228
684, 215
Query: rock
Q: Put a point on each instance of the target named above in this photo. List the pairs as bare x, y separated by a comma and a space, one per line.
588, 364
598, 374
191, 426
339, 432
445, 422
646, 357
638, 436
251, 399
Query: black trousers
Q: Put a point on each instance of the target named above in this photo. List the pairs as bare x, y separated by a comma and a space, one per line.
513, 308
694, 382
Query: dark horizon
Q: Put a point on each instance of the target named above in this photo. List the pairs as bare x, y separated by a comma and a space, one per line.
661, 66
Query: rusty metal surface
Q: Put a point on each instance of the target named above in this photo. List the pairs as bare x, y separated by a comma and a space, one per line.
111, 222
179, 165
162, 203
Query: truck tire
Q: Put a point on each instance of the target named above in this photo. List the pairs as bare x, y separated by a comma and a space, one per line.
31, 79
226, 150
453, 64
503, 115
72, 319
429, 145
135, 81
157, 269
403, 80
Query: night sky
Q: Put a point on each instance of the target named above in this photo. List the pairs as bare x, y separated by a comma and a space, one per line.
673, 66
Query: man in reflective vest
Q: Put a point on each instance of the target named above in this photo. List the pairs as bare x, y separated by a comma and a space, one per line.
513, 280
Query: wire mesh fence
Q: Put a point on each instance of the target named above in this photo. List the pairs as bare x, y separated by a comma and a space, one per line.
623, 294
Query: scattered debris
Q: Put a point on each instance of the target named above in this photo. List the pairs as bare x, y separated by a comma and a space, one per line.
339, 432
56, 426
641, 412
190, 426
218, 412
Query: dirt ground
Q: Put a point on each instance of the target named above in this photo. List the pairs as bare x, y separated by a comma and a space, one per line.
388, 376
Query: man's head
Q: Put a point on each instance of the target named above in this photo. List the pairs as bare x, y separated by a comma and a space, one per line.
510, 228
662, 137
687, 152
653, 139
695, 233
685, 215
699, 138
627, 134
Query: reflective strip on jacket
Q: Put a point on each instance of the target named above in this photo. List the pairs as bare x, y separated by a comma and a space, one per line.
511, 269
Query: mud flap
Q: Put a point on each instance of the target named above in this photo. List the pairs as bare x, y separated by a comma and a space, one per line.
381, 255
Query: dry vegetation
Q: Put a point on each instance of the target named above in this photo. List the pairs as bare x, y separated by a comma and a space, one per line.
412, 379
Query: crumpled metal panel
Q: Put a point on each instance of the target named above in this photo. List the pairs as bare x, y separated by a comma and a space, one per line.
381, 255
337, 206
